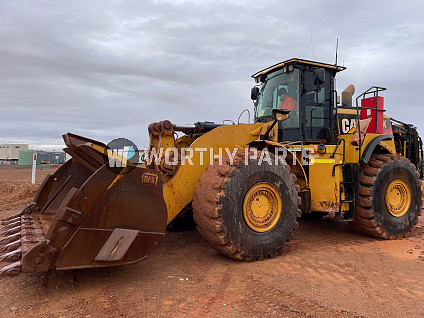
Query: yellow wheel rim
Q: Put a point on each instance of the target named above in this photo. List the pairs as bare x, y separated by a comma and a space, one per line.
398, 197
262, 207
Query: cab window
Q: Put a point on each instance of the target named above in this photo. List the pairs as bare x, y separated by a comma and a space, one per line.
317, 108
280, 91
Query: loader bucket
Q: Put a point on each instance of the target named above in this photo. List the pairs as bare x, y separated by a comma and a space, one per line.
85, 215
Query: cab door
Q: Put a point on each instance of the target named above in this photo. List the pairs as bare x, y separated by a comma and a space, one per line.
317, 103
291, 128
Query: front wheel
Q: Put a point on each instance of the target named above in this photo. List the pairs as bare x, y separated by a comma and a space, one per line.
247, 211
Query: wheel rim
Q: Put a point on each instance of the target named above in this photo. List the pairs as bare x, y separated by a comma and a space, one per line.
398, 197
262, 207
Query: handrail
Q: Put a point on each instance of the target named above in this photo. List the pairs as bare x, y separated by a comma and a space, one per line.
333, 173
372, 90
337, 146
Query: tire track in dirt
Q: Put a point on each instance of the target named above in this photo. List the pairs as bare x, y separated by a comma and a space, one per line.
357, 265
220, 281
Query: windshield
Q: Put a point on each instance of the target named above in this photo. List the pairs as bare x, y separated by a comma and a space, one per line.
280, 90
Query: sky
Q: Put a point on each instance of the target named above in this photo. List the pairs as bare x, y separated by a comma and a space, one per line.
107, 69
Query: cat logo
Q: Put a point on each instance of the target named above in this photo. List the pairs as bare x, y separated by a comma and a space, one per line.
387, 126
149, 178
347, 124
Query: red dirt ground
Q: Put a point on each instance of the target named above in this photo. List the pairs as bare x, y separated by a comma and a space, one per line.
327, 270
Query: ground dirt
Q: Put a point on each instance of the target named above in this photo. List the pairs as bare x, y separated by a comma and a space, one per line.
327, 270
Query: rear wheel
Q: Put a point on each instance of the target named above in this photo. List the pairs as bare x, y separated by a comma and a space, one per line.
389, 197
246, 212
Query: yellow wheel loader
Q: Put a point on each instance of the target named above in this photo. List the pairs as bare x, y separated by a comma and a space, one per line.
307, 153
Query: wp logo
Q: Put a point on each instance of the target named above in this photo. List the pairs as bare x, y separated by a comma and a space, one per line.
119, 157
122, 156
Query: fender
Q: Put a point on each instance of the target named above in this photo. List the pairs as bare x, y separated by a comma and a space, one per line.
369, 149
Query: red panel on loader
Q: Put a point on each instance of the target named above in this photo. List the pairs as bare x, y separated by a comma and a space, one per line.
376, 114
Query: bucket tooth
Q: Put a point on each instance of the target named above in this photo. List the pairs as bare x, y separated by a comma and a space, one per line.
11, 221
10, 247
13, 230
32, 239
31, 231
10, 225
27, 208
28, 225
12, 269
15, 216
12, 256
10, 239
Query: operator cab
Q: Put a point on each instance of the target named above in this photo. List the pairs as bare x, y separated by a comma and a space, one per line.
309, 96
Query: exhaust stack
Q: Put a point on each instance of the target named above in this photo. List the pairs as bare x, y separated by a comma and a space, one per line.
347, 95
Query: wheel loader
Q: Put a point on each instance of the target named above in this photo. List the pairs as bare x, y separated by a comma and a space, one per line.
246, 185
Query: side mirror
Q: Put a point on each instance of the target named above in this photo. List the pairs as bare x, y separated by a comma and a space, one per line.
280, 114
277, 115
254, 93
319, 76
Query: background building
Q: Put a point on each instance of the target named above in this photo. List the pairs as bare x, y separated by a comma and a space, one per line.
9, 153
43, 157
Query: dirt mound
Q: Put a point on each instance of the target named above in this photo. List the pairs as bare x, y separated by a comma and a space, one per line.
13, 195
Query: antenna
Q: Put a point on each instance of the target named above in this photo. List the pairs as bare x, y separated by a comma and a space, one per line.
313, 53
337, 46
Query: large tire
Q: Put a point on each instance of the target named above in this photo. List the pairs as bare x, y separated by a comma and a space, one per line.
389, 200
222, 212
